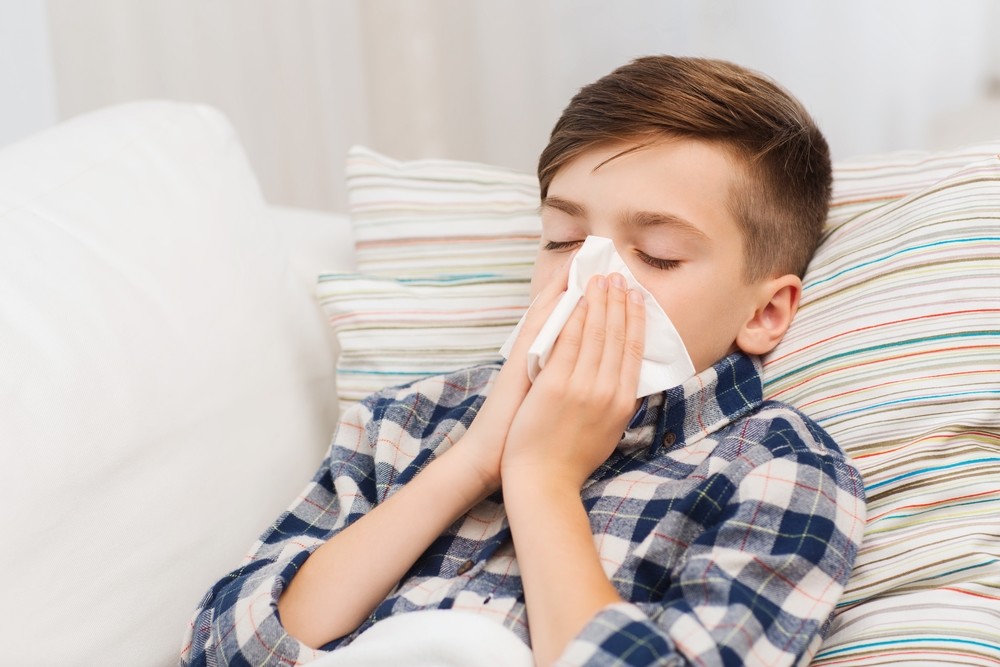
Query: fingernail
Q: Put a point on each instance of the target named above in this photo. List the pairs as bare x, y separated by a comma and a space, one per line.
602, 282
618, 280
635, 296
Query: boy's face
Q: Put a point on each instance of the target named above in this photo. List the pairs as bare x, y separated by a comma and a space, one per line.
666, 207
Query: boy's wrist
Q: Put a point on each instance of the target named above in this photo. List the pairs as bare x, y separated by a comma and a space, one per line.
534, 484
468, 467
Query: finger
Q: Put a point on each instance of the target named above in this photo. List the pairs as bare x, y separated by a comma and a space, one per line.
513, 382
594, 335
562, 359
552, 289
614, 342
635, 340
557, 279
540, 309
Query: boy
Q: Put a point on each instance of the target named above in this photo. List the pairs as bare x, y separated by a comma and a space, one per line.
700, 525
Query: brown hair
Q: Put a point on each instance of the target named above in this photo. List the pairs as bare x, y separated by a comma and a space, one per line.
782, 197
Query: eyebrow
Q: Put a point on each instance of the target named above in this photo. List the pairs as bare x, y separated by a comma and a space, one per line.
636, 218
653, 218
567, 207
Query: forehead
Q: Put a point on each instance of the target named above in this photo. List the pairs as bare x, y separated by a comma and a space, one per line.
682, 179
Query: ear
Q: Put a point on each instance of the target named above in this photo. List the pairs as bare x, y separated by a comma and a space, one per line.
778, 299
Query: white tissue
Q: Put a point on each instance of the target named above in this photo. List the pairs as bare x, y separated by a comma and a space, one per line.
665, 360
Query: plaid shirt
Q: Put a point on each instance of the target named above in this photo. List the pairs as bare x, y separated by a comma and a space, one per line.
727, 523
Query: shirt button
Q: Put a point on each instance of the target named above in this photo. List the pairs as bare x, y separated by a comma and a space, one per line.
465, 567
669, 439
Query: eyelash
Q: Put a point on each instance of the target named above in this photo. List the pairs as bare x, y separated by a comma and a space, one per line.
561, 245
655, 262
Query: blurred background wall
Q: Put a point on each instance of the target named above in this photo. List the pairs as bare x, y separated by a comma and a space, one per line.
485, 80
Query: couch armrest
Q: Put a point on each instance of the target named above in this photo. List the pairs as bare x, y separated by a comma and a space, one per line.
168, 381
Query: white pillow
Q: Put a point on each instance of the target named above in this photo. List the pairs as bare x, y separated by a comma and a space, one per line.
167, 382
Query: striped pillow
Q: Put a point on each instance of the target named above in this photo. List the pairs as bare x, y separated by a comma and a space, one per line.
865, 183
431, 217
396, 331
896, 351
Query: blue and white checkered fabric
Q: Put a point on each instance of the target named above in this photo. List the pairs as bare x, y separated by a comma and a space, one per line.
728, 524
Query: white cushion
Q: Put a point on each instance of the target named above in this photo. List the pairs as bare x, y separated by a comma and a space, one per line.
317, 241
167, 382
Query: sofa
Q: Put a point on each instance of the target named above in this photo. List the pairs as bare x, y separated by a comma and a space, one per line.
175, 351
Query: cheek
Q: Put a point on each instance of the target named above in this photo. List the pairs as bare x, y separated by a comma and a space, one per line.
536, 286
686, 318
678, 305
701, 317
540, 272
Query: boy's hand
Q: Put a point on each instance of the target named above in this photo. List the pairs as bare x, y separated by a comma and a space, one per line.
567, 425
488, 431
573, 415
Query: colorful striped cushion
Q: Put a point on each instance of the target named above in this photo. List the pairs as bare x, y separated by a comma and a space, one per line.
430, 217
395, 331
896, 351
865, 183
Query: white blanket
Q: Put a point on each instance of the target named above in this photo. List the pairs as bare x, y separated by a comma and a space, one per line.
435, 638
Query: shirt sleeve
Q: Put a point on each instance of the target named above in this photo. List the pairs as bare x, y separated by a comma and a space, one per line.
759, 584
237, 623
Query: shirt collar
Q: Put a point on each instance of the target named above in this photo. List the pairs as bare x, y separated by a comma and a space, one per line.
703, 404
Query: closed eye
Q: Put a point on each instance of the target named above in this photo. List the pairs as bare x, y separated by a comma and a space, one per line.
561, 245
657, 263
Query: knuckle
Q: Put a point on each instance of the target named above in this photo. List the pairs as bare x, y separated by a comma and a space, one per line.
625, 405
571, 338
603, 396
635, 349
597, 333
552, 391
